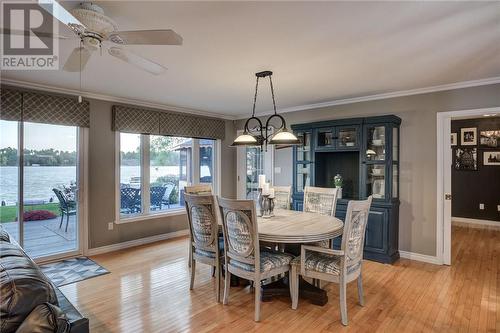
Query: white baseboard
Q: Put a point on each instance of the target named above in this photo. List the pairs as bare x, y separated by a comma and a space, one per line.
475, 221
420, 257
135, 242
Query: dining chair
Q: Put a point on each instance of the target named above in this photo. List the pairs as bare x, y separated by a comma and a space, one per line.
282, 197
338, 266
66, 207
198, 189
242, 254
320, 200
204, 241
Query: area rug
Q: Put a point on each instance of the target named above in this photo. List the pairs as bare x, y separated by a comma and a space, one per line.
72, 270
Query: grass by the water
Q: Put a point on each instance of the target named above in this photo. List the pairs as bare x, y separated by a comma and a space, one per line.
9, 213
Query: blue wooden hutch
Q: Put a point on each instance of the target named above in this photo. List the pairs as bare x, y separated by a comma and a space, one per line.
365, 152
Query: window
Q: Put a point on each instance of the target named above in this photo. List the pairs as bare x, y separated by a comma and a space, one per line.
153, 171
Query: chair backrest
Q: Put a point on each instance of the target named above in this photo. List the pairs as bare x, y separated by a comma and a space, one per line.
241, 237
282, 197
353, 237
129, 197
198, 189
156, 194
320, 200
202, 222
62, 199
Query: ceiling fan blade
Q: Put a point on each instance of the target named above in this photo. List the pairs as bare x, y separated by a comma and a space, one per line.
146, 37
39, 34
58, 11
73, 63
136, 60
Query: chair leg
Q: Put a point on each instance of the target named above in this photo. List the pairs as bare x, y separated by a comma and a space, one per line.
193, 271
217, 282
62, 217
360, 291
257, 301
190, 254
213, 271
67, 221
227, 282
343, 302
294, 286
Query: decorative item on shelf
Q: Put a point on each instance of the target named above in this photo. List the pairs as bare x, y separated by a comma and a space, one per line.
338, 181
281, 134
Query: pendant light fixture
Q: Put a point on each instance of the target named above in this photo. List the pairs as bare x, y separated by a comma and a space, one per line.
263, 138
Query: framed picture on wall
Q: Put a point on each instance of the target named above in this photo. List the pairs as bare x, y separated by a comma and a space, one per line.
466, 159
453, 139
491, 158
468, 136
490, 139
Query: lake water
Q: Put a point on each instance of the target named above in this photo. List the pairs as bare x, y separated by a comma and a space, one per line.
39, 181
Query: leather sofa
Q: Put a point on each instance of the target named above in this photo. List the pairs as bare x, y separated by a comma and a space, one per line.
29, 302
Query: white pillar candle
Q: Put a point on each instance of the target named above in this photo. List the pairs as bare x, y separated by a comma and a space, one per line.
262, 181
265, 189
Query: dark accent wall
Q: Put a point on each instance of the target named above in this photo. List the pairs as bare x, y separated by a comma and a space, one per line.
470, 188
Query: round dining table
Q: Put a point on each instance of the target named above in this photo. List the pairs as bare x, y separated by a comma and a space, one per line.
294, 228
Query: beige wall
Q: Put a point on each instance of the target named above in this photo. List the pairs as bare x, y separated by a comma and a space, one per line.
417, 227
101, 182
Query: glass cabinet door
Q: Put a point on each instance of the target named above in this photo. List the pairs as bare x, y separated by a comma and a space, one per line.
375, 148
347, 137
303, 176
375, 181
304, 149
324, 138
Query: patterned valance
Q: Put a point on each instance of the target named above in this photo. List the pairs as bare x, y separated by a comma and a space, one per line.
11, 104
135, 120
145, 121
45, 108
52, 109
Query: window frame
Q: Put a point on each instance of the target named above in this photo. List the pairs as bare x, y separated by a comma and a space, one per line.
146, 213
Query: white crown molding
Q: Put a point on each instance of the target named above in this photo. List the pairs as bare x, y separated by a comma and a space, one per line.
394, 94
109, 98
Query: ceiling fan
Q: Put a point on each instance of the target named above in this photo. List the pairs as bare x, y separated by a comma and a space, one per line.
96, 31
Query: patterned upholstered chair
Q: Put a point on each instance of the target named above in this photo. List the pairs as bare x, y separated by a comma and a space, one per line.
242, 254
204, 241
338, 266
198, 189
282, 197
320, 200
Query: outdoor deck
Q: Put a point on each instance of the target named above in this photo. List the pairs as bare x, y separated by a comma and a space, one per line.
43, 238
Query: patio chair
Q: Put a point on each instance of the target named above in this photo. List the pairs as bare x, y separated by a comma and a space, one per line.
130, 200
67, 207
156, 194
169, 187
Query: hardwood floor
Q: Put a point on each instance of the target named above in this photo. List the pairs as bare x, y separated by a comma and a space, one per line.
148, 291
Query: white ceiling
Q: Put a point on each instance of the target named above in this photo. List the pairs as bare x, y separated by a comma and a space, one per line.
319, 51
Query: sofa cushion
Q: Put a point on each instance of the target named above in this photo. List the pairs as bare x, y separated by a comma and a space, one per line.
45, 318
22, 286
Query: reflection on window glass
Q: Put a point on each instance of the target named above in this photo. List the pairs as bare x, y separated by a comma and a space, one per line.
170, 170
206, 161
130, 174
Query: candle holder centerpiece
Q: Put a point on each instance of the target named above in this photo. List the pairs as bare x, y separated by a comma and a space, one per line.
265, 199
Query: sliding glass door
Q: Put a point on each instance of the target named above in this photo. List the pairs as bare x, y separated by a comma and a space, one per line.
42, 187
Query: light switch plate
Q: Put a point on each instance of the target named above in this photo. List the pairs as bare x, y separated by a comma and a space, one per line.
110, 226
498, 208
481, 206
